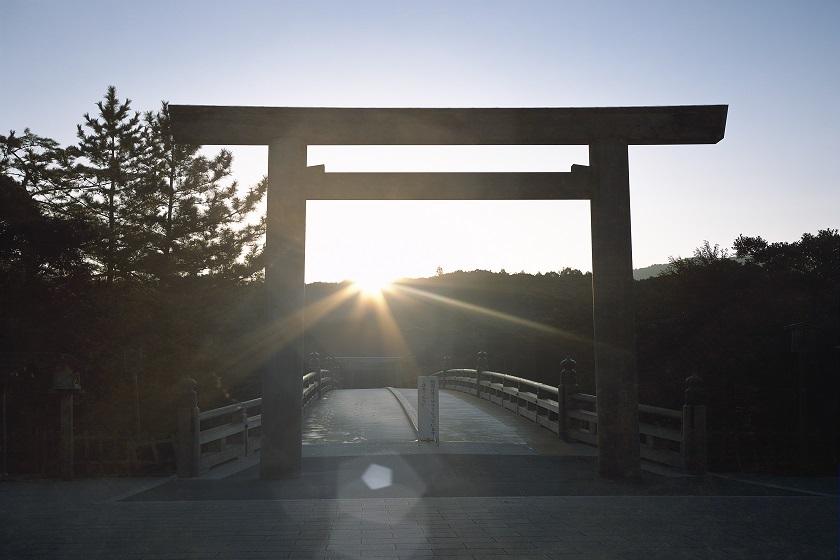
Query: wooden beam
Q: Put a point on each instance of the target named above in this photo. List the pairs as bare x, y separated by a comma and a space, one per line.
687, 124
448, 186
285, 263
613, 313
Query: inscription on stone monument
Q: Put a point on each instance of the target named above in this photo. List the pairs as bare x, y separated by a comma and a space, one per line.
428, 418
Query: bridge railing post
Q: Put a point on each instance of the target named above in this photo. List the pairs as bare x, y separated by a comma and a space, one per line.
480, 368
329, 368
565, 390
444, 368
243, 418
188, 448
315, 365
694, 426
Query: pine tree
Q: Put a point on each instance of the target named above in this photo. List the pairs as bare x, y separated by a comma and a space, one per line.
105, 164
41, 236
194, 217
38, 165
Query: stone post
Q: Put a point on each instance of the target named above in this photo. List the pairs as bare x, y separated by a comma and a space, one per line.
428, 408
188, 448
480, 367
66, 384
67, 444
694, 426
566, 388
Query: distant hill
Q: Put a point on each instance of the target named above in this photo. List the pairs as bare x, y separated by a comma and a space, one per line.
649, 271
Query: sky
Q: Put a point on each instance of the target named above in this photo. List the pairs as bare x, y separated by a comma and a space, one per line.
775, 174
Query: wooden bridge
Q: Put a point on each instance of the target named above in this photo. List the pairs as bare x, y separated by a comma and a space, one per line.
529, 417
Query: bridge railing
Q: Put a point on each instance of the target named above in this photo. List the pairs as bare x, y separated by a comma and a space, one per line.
668, 436
207, 438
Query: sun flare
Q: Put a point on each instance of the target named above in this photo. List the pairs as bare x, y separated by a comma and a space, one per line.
373, 284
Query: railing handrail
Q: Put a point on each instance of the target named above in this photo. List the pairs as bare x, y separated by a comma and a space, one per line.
229, 409
506, 376
583, 397
522, 381
191, 436
237, 406
658, 410
308, 376
506, 391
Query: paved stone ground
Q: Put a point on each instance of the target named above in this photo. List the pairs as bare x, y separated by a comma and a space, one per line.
446, 475
35, 524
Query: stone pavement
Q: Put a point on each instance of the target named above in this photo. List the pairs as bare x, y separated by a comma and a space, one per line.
445, 476
35, 523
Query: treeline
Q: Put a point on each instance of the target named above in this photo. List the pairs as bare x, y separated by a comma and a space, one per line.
736, 319
729, 317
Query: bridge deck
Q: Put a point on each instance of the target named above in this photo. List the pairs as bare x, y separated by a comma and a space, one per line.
372, 422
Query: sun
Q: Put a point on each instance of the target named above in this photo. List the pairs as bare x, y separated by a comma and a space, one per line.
372, 283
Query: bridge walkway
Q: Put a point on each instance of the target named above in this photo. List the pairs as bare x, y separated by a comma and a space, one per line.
372, 422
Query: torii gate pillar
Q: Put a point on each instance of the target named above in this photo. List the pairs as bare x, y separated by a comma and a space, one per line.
607, 130
284, 282
616, 378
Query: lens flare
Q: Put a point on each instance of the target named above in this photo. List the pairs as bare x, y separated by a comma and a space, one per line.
372, 283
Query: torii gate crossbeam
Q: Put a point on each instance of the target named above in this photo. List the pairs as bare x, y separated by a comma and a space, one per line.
607, 130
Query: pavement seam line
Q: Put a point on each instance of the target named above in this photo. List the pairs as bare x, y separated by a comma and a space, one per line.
410, 413
771, 485
135, 491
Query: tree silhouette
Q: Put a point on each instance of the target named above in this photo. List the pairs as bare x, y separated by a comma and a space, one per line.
194, 220
704, 256
39, 166
812, 254
106, 166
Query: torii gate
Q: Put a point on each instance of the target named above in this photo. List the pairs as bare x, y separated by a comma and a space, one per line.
287, 131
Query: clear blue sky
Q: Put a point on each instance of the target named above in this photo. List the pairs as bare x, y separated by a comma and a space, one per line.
777, 65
